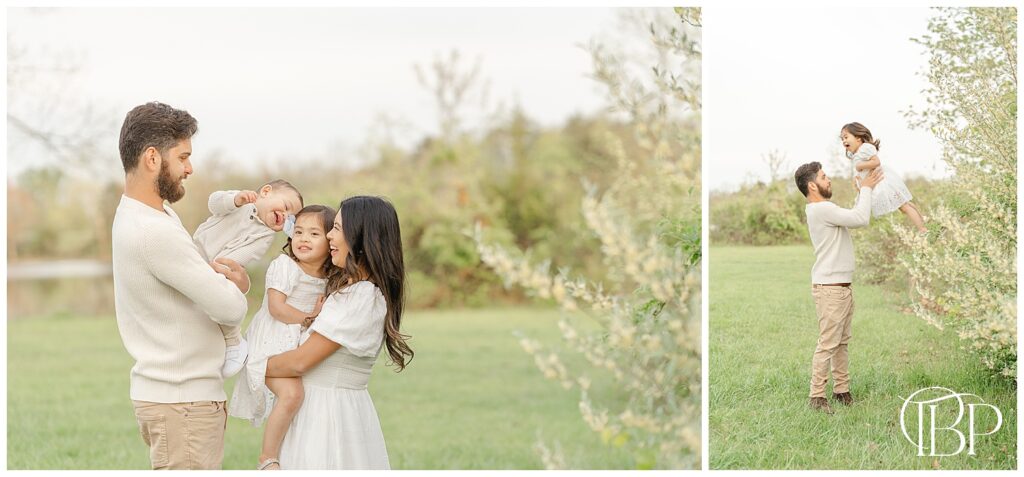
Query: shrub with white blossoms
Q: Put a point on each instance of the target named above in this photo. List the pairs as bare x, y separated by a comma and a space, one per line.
648, 313
965, 270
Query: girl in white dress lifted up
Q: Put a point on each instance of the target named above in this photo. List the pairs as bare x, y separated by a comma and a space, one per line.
889, 195
295, 286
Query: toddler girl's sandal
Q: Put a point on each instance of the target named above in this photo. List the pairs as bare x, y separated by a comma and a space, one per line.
268, 463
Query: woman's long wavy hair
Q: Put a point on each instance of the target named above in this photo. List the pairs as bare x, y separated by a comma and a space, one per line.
370, 227
858, 131
326, 215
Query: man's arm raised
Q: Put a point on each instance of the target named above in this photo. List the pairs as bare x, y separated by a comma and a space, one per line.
860, 214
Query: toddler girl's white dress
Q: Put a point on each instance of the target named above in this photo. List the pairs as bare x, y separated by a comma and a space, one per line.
337, 426
267, 336
889, 194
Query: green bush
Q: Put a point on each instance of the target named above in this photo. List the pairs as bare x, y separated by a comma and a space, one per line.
878, 246
758, 214
965, 269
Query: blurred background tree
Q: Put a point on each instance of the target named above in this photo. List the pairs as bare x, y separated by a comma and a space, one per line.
637, 325
487, 162
45, 213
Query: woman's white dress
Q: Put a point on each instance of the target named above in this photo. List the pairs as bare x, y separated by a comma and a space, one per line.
890, 194
267, 336
337, 426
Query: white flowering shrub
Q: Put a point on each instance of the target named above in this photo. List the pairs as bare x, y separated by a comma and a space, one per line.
648, 314
965, 269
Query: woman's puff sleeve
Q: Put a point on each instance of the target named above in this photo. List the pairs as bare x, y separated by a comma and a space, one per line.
354, 318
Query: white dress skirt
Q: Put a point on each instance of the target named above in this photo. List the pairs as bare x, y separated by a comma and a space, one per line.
890, 194
337, 426
267, 336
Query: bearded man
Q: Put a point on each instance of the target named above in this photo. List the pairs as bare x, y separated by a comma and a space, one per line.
832, 278
168, 300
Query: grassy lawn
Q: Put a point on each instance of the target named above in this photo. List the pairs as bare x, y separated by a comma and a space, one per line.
763, 331
471, 399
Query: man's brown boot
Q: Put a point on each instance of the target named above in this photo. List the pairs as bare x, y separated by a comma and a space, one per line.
820, 404
844, 398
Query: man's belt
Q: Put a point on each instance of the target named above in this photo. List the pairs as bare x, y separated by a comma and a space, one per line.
816, 285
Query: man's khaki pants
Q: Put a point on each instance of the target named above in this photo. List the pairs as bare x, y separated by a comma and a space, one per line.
187, 435
834, 306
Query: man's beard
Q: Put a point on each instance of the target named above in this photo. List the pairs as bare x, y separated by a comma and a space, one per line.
169, 189
826, 193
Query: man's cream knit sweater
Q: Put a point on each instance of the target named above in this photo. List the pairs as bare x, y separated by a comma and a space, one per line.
829, 226
168, 302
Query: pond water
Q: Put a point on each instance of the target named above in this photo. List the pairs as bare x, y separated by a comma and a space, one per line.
80, 296
77, 288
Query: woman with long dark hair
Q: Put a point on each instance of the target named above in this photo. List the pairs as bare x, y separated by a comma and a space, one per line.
337, 426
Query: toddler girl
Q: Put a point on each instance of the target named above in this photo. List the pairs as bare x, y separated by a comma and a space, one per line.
295, 286
890, 194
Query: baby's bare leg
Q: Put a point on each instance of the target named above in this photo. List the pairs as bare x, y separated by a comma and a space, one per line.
910, 210
289, 398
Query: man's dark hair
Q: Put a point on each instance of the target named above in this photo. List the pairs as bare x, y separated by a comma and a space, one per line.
153, 125
805, 174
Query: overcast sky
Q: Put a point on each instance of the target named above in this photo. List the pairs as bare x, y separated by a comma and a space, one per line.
788, 79
268, 83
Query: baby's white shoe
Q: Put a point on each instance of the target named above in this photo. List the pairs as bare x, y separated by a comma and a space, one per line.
234, 358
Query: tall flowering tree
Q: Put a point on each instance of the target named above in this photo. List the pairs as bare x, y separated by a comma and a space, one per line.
648, 311
966, 270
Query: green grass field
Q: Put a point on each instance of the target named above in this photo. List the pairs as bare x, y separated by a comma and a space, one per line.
762, 334
471, 399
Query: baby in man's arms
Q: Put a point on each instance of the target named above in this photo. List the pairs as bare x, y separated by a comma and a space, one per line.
242, 228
